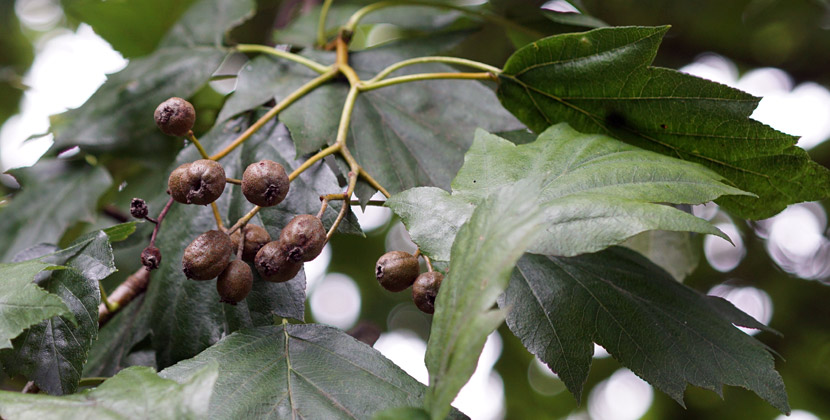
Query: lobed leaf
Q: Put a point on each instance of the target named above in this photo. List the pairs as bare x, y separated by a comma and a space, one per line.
22, 302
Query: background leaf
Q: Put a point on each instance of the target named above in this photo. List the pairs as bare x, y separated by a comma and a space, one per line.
600, 82
135, 393
676, 252
665, 332
483, 254
302, 371
597, 192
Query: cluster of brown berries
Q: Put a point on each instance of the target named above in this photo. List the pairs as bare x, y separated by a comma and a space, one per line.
265, 184
397, 270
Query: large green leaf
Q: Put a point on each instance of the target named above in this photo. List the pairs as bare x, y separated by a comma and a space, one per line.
665, 332
598, 192
600, 82
22, 302
111, 352
53, 352
135, 393
676, 252
300, 371
483, 255
54, 195
119, 116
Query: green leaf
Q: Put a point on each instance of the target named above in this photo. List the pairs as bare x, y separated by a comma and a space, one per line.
300, 371
598, 192
22, 302
675, 252
54, 195
132, 28
118, 117
600, 82
111, 352
135, 393
53, 352
483, 255
665, 332
402, 413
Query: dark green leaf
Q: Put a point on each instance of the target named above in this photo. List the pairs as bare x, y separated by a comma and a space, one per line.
119, 116
54, 195
665, 332
483, 255
402, 413
598, 192
300, 371
600, 82
110, 353
135, 393
53, 353
22, 302
574, 19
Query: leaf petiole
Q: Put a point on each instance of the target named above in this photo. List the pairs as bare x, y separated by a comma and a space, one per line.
246, 48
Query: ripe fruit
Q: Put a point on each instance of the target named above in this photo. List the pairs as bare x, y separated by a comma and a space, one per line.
265, 183
207, 256
303, 238
255, 238
175, 116
151, 258
425, 289
138, 208
397, 270
235, 282
273, 264
200, 182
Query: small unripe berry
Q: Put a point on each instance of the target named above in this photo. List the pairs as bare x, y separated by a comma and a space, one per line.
265, 183
200, 182
151, 258
303, 238
255, 238
175, 117
207, 256
138, 208
235, 282
273, 263
397, 270
425, 289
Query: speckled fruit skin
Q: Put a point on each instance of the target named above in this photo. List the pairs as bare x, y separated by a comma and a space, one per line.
201, 182
207, 256
175, 117
235, 282
425, 289
397, 270
265, 183
303, 238
255, 238
273, 264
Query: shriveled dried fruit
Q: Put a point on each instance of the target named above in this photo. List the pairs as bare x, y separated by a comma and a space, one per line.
235, 282
255, 238
175, 117
303, 238
138, 208
397, 270
273, 263
207, 256
265, 183
425, 289
200, 182
151, 258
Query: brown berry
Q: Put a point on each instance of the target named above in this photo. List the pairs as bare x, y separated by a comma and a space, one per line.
303, 238
265, 183
397, 270
175, 117
138, 208
151, 258
200, 182
255, 238
273, 264
425, 289
207, 256
235, 282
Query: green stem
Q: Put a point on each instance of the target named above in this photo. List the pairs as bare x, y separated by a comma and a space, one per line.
321, 25
195, 141
319, 68
105, 299
427, 76
499, 20
92, 381
434, 59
